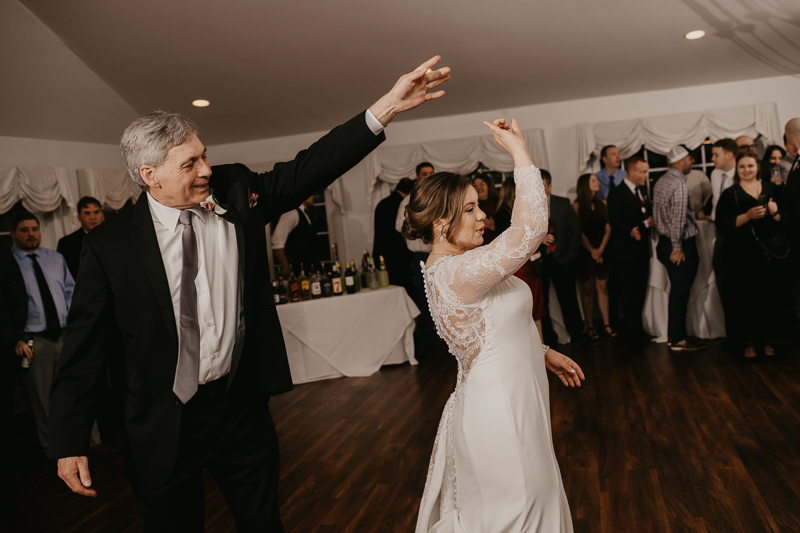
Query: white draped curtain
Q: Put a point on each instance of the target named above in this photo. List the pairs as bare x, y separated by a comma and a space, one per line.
660, 134
112, 188
393, 163
44, 191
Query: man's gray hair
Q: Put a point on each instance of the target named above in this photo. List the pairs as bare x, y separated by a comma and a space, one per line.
149, 138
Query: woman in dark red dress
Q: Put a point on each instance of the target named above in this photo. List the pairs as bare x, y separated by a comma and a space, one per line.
527, 272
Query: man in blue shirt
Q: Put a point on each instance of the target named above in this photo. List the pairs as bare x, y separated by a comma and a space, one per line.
49, 286
611, 174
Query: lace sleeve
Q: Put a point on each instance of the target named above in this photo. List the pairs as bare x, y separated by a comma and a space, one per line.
479, 270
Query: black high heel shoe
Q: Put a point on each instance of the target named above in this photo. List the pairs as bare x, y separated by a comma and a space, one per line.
609, 330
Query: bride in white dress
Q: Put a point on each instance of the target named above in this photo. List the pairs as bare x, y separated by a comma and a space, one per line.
493, 467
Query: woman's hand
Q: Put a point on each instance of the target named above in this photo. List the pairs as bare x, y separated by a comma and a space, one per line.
597, 255
489, 223
756, 212
772, 207
565, 368
509, 137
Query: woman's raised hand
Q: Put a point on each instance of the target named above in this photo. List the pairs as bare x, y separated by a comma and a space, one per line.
509, 137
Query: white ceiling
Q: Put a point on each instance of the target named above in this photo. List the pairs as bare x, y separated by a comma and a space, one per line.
81, 69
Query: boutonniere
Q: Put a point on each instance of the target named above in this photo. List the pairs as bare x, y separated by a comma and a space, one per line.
212, 204
253, 199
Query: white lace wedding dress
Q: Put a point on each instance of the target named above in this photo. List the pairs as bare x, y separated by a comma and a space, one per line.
493, 467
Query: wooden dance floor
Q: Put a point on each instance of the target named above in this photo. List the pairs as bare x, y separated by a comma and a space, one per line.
653, 441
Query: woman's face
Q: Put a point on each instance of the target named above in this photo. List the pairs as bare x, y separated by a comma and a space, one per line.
747, 168
775, 157
470, 230
594, 183
481, 188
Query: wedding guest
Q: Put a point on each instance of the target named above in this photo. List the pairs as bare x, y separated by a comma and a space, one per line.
488, 201
531, 271
723, 154
699, 190
770, 169
760, 308
593, 269
610, 174
786, 163
294, 240
676, 249
49, 286
773, 155
790, 200
630, 218
562, 244
90, 215
419, 254
203, 357
389, 243
745, 144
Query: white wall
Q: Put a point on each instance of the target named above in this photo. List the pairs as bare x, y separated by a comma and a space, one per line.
558, 120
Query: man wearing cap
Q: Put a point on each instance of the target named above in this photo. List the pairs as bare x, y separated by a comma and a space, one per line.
677, 250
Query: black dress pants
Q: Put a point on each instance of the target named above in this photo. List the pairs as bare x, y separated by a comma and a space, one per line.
563, 279
234, 437
632, 274
681, 279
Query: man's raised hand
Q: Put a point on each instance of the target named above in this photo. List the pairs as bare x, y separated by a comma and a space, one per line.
75, 473
411, 90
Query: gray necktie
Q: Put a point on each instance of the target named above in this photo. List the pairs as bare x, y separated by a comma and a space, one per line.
188, 372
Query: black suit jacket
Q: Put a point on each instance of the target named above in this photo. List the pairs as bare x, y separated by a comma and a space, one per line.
13, 317
70, 247
624, 214
388, 242
566, 230
122, 279
790, 204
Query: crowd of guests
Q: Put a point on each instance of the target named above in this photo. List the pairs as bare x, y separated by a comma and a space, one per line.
597, 252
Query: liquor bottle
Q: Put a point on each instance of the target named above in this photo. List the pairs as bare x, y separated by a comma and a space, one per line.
336, 280
356, 275
349, 280
294, 288
364, 282
281, 290
327, 286
372, 276
316, 286
275, 293
383, 276
305, 286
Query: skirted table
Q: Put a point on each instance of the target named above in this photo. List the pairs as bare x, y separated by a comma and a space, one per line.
349, 335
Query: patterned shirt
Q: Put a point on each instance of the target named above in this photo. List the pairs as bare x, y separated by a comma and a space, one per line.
671, 209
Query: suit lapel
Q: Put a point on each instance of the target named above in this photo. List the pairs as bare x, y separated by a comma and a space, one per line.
144, 237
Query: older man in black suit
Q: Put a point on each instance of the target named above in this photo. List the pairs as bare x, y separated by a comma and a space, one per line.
630, 216
185, 276
563, 241
90, 215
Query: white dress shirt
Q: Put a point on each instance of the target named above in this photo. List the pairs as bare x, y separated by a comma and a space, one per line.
219, 289
415, 245
286, 224
717, 186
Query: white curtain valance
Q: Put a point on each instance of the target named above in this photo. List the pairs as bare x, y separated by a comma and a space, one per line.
113, 188
41, 189
393, 163
660, 134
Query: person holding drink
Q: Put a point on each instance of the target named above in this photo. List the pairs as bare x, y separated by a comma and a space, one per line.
760, 308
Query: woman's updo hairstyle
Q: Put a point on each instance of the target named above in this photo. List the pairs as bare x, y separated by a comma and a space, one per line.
439, 196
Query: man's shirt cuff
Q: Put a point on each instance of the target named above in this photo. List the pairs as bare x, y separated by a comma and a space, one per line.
373, 123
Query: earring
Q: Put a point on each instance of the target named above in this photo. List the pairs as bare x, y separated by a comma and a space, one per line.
441, 238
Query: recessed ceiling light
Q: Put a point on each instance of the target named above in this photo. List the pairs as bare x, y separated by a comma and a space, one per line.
201, 103
697, 34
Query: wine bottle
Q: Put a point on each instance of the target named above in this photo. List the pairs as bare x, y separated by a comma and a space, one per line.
316, 286
305, 286
349, 280
383, 275
327, 286
336, 280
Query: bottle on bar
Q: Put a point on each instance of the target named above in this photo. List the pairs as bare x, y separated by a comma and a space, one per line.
336, 280
275, 294
316, 286
305, 286
356, 275
294, 288
327, 286
383, 275
372, 275
349, 280
364, 281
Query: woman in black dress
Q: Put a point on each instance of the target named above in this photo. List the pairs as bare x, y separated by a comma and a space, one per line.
592, 267
761, 309
488, 201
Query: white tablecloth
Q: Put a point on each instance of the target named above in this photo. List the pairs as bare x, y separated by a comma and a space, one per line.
705, 318
350, 335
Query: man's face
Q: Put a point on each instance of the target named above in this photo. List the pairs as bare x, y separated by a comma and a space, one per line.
745, 144
548, 186
27, 237
424, 172
722, 158
612, 158
91, 216
638, 173
686, 162
182, 179
792, 143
